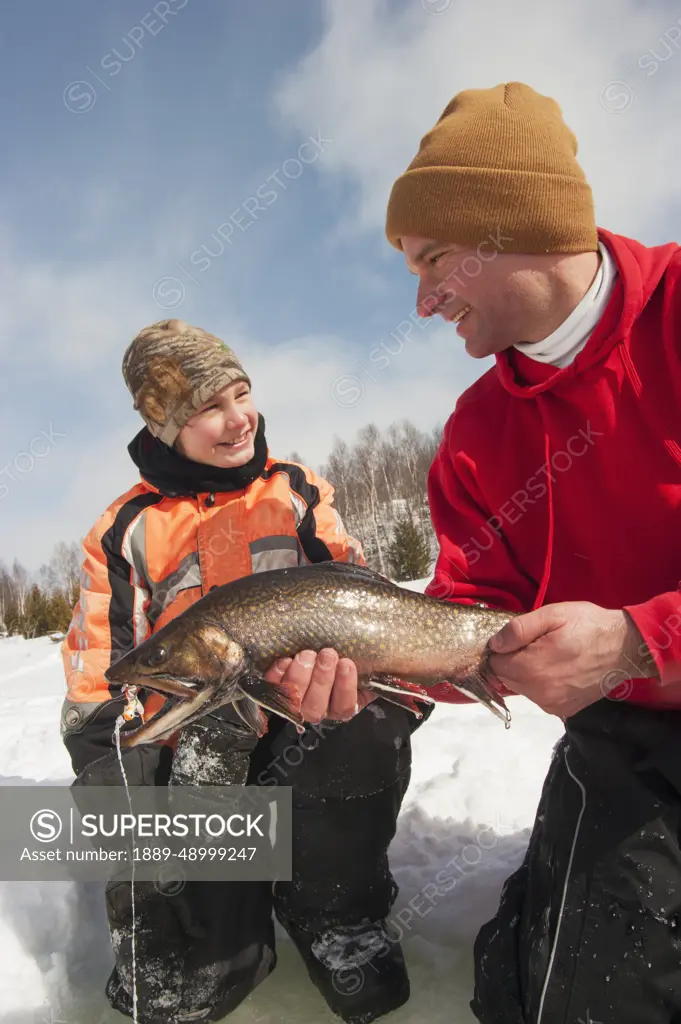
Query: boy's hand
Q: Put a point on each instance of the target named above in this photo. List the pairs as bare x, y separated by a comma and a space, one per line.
327, 684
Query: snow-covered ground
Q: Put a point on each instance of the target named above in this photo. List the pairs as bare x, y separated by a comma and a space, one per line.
467, 816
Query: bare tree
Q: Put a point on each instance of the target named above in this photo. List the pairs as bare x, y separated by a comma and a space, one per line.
378, 480
338, 471
63, 570
20, 585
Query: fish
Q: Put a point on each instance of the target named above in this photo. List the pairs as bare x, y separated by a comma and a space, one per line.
218, 650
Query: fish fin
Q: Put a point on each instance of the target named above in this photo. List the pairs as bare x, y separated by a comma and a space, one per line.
446, 693
398, 691
403, 701
477, 686
352, 569
402, 687
274, 697
250, 714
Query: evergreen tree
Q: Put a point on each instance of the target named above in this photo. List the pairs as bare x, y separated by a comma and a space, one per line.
59, 612
409, 553
35, 618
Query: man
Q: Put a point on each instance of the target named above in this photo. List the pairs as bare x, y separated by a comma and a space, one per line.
557, 493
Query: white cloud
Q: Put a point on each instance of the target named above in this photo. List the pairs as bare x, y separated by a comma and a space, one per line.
375, 84
379, 79
70, 315
295, 386
316, 388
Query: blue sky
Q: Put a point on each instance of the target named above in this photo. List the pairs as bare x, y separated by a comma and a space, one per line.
136, 130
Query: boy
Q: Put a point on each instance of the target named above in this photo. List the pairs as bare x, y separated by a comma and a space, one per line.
212, 506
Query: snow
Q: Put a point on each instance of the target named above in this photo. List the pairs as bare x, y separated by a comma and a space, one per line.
464, 828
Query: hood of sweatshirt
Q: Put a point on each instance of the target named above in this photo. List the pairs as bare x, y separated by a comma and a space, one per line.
639, 272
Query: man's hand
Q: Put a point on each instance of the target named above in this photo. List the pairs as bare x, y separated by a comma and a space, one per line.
327, 684
566, 656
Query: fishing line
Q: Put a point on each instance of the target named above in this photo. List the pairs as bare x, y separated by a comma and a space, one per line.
132, 708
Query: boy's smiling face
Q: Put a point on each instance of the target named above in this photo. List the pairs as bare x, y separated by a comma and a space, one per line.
222, 432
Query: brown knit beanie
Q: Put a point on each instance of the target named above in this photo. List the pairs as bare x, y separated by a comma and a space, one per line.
499, 160
171, 369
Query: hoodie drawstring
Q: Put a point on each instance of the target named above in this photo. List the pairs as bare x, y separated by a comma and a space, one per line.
548, 558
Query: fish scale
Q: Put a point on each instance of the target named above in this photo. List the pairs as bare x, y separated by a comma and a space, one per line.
218, 650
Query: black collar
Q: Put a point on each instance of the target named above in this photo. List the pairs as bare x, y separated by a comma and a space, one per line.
178, 477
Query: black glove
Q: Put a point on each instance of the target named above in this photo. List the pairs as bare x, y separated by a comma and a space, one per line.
146, 765
416, 723
214, 751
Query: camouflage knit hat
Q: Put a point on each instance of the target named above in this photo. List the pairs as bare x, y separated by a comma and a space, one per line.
171, 369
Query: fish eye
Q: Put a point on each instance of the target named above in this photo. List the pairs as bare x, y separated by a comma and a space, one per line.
156, 657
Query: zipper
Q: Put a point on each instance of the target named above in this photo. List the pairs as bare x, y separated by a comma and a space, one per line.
202, 504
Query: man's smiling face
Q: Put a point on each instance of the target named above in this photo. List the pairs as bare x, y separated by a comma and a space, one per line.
495, 299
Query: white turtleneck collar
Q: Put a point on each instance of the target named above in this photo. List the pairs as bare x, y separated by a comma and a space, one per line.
568, 340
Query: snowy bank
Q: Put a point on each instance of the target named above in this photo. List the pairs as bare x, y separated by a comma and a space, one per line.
463, 829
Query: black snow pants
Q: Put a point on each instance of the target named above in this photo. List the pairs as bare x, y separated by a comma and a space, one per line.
201, 951
588, 930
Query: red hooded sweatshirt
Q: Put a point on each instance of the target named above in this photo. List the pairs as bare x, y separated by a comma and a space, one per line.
565, 485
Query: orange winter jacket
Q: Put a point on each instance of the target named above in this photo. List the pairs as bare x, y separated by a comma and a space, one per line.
150, 556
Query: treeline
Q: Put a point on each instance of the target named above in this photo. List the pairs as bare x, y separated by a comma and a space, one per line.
34, 607
381, 494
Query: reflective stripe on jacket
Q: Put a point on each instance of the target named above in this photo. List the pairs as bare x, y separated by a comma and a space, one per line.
149, 557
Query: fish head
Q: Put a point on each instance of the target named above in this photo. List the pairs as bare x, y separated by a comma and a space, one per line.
195, 666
